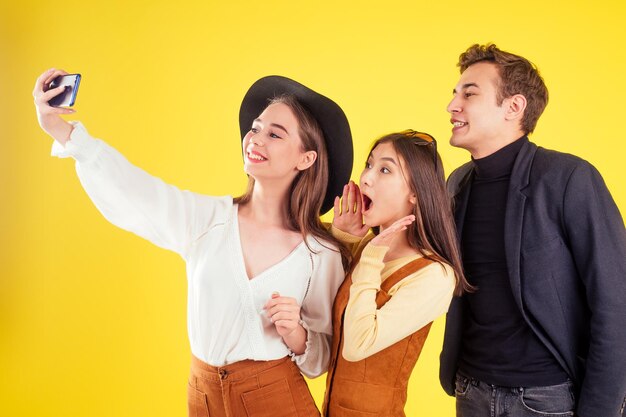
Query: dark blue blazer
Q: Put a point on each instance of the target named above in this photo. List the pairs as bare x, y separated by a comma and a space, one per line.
565, 246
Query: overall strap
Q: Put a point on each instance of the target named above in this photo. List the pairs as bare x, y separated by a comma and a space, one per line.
383, 295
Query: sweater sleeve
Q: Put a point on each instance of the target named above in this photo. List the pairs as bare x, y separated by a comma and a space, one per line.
316, 311
352, 242
422, 296
135, 201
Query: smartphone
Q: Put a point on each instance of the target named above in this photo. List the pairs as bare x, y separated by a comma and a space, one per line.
67, 97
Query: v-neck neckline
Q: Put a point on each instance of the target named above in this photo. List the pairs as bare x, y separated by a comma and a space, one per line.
242, 260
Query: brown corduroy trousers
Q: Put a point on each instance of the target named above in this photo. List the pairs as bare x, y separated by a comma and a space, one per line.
249, 389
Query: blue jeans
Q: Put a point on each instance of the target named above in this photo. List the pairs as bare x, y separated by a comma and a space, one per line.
478, 399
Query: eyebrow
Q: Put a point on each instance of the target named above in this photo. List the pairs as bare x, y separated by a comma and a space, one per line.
385, 158
466, 85
276, 125
393, 161
279, 127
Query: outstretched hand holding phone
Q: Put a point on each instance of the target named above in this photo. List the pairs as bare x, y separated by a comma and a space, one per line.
68, 96
49, 117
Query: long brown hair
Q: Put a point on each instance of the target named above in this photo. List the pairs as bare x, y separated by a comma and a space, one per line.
433, 233
308, 188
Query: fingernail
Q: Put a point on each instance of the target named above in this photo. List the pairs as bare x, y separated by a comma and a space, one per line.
275, 294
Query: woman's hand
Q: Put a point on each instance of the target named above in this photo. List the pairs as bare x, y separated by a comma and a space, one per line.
385, 237
348, 216
50, 117
284, 312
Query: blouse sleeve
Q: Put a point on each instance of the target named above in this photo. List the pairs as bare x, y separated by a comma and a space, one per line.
415, 301
135, 201
316, 311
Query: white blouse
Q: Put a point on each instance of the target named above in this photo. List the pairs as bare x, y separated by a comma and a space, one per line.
225, 317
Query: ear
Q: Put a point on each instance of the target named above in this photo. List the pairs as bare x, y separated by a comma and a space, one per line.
516, 105
413, 199
307, 159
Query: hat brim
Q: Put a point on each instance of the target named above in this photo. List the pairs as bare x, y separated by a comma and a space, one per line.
328, 114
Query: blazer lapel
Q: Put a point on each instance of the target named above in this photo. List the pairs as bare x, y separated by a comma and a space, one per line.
514, 217
460, 196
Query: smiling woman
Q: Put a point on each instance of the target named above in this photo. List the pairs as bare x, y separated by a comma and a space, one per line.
275, 267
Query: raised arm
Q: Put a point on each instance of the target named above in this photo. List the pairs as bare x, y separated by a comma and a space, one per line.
127, 196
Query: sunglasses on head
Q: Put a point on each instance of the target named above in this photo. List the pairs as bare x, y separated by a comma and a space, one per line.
421, 138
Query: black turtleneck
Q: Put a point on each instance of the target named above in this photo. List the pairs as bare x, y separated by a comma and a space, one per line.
498, 346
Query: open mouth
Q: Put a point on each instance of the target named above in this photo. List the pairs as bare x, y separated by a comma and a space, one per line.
459, 124
256, 157
367, 202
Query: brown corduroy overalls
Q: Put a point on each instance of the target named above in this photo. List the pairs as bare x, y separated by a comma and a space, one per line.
377, 385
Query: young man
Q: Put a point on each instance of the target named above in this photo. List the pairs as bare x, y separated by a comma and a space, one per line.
544, 245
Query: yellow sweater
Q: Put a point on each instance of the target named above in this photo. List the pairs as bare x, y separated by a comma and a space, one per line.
415, 301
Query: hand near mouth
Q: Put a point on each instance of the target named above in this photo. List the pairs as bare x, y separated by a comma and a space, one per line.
347, 211
386, 237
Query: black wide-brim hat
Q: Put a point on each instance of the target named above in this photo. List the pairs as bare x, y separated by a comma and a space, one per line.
328, 114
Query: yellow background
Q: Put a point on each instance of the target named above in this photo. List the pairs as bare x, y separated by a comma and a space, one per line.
92, 318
